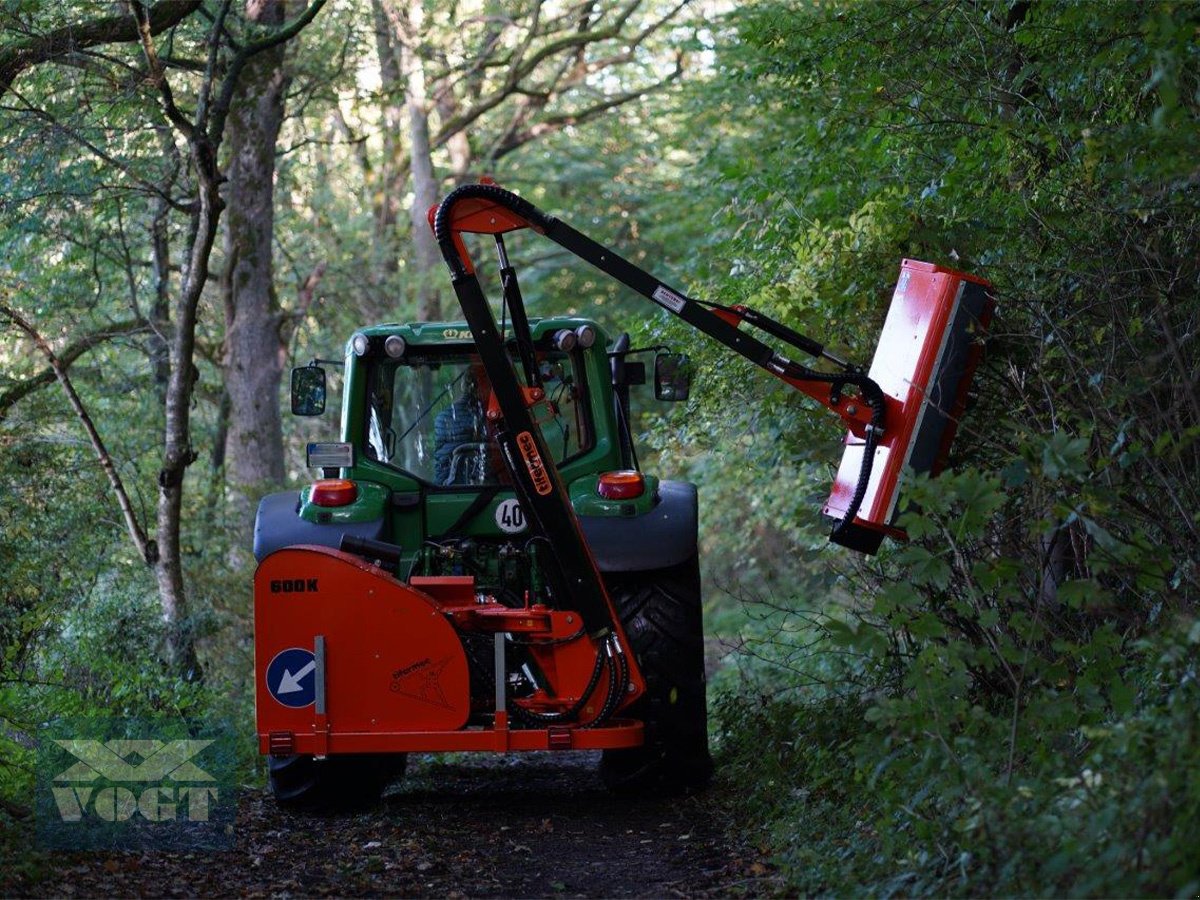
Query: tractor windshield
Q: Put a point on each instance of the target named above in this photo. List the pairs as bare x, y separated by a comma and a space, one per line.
426, 414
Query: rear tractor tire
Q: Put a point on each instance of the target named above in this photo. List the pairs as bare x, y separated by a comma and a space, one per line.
660, 611
341, 782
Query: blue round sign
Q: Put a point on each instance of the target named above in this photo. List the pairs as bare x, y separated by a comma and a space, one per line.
292, 678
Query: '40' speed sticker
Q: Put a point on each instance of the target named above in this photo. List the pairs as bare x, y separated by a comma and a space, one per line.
510, 518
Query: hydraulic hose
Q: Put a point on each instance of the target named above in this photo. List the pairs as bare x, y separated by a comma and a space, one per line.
872, 393
617, 686
609, 706
860, 490
443, 234
376, 551
567, 715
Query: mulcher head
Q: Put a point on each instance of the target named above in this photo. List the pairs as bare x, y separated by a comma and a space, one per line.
925, 361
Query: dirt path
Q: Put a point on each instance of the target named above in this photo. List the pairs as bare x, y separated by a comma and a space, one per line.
514, 827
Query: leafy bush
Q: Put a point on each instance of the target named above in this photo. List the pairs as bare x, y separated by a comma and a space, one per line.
81, 631
1018, 709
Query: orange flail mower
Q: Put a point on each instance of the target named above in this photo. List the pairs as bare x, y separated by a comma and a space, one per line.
485, 565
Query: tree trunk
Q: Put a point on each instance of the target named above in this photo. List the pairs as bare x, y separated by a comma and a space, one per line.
458, 145
425, 260
253, 362
177, 442
160, 311
388, 183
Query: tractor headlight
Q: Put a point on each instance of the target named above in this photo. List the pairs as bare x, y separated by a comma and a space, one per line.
394, 346
359, 344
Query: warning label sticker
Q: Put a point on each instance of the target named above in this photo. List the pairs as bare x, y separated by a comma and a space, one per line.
422, 680
668, 298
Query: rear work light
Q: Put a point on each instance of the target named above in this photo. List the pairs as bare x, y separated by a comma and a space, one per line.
623, 485
334, 492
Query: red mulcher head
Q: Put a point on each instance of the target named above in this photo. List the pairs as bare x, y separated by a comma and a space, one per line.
927, 354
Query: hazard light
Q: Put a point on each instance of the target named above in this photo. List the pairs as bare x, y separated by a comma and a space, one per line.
625, 484
334, 492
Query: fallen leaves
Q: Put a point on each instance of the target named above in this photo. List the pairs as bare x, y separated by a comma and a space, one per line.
536, 827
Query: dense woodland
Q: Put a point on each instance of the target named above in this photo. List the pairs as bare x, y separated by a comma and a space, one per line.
196, 195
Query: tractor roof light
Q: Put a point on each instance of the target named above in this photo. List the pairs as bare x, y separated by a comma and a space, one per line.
334, 492
359, 343
586, 335
565, 340
625, 484
394, 346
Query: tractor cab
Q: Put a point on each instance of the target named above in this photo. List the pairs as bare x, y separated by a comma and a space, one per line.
418, 400
426, 414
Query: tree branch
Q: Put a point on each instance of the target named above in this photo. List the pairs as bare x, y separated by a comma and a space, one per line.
100, 154
146, 547
305, 295
521, 66
225, 98
66, 359
158, 76
515, 139
69, 39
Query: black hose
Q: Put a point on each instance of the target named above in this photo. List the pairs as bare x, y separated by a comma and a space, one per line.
872, 393
616, 689
371, 549
551, 642
498, 195
860, 490
611, 698
567, 715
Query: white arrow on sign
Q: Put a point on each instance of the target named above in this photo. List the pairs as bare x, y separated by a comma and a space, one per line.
290, 683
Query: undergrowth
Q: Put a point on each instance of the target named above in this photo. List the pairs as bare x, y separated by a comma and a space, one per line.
856, 802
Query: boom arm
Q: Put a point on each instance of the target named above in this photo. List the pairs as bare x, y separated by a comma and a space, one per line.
489, 209
938, 351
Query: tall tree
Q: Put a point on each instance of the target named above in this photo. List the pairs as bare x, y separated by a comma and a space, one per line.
400, 43
482, 81
253, 321
172, 80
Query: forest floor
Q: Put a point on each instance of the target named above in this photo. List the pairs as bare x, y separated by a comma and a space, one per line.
457, 826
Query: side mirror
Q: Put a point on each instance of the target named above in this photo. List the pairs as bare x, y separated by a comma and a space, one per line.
672, 376
308, 391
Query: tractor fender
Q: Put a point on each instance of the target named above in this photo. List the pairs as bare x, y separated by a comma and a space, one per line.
663, 537
278, 525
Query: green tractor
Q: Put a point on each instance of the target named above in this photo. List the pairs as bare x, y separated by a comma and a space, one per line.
417, 486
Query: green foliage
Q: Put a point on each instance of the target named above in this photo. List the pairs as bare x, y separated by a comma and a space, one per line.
1011, 739
1018, 696
927, 800
1006, 703
80, 627
802, 796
